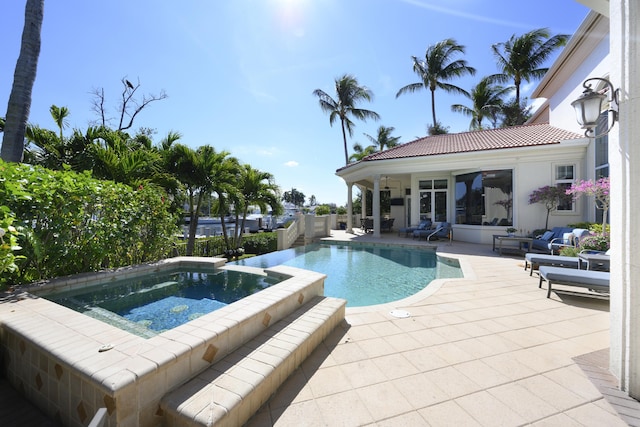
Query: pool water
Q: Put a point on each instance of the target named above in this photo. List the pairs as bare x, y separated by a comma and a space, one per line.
365, 274
157, 302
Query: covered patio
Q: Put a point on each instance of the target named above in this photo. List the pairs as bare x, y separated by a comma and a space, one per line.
489, 349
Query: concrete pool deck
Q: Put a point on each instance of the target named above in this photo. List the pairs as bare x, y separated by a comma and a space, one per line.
486, 350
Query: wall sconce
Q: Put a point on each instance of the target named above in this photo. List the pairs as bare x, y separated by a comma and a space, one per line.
589, 106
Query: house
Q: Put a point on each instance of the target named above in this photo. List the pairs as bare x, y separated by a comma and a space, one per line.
480, 181
467, 178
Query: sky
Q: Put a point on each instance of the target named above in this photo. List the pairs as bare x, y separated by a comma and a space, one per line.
239, 74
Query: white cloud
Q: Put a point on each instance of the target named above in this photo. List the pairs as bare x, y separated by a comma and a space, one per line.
291, 164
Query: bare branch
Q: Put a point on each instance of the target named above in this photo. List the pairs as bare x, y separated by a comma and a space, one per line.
97, 104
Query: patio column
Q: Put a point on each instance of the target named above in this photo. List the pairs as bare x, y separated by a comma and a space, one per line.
624, 167
363, 211
349, 208
376, 206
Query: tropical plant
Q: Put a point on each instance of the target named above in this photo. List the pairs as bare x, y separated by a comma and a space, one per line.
599, 190
199, 173
521, 57
380, 142
349, 93
487, 101
550, 196
383, 138
294, 196
438, 67
360, 152
23, 80
8, 245
255, 188
514, 114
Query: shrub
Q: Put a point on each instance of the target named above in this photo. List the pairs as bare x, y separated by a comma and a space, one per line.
260, 243
72, 223
323, 210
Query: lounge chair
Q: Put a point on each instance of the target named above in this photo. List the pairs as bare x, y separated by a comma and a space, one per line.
424, 225
442, 231
597, 281
533, 259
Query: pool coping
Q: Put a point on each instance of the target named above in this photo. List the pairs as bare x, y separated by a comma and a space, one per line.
70, 364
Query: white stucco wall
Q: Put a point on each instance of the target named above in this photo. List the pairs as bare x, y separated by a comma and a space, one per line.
597, 64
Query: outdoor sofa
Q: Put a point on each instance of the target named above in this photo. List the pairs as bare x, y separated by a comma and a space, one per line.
552, 241
424, 225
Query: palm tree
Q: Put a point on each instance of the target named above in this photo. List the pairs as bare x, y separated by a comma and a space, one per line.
198, 173
382, 141
521, 58
348, 94
487, 101
24, 77
360, 152
436, 69
256, 188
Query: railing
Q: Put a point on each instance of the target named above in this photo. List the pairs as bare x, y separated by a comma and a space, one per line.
310, 225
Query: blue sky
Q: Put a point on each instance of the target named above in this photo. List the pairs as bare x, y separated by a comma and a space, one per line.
239, 74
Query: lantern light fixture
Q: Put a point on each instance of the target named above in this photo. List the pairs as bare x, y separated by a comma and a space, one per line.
589, 106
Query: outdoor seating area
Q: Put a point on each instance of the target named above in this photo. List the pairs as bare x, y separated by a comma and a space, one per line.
554, 240
590, 270
386, 224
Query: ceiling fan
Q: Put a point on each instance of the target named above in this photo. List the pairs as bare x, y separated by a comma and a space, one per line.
386, 184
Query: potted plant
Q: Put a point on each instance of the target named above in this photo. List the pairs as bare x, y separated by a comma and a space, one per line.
511, 231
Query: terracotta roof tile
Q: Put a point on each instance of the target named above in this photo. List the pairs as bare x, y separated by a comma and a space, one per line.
492, 139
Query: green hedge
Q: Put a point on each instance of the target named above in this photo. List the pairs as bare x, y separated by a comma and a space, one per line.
73, 223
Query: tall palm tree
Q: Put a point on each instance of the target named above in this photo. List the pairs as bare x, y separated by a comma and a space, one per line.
348, 94
23, 79
521, 58
487, 101
436, 69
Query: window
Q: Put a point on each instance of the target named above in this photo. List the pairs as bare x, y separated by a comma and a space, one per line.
485, 198
565, 175
433, 199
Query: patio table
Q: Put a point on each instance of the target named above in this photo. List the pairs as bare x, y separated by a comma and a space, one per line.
524, 243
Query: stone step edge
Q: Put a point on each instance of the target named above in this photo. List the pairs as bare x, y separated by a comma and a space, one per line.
232, 390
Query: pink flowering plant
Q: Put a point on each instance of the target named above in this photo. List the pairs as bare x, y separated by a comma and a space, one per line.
599, 190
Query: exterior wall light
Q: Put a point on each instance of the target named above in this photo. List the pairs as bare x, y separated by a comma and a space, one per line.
589, 106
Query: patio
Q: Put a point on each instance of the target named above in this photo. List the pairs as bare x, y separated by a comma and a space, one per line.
487, 350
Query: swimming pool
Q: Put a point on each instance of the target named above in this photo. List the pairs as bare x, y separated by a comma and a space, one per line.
365, 274
156, 302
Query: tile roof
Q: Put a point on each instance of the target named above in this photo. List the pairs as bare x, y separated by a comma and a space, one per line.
492, 139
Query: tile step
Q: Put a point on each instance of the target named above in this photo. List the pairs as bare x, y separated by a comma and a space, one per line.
233, 389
